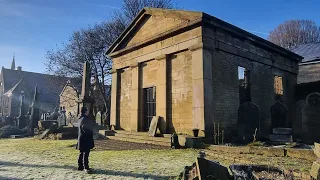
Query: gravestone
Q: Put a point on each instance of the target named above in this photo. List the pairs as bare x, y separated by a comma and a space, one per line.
278, 115
311, 118
207, 169
22, 119
248, 121
99, 118
153, 126
55, 115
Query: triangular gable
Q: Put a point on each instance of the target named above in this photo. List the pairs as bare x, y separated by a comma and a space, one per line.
151, 22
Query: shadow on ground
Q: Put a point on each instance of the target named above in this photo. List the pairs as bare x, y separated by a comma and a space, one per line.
95, 171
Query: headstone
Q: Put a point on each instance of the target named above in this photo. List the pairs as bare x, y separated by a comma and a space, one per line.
278, 115
248, 121
55, 115
311, 118
22, 118
315, 168
35, 113
99, 118
207, 169
153, 126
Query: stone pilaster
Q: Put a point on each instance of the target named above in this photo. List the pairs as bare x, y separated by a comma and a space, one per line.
161, 92
134, 92
114, 96
202, 88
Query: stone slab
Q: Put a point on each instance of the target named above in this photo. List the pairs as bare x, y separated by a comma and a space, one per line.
107, 132
316, 149
16, 136
280, 138
153, 126
282, 131
211, 170
194, 142
315, 170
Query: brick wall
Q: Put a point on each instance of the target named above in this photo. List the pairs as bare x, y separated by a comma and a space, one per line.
179, 89
229, 52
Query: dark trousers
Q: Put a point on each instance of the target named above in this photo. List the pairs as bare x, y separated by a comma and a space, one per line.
83, 160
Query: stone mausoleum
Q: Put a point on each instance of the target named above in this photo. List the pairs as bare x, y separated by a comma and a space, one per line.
194, 71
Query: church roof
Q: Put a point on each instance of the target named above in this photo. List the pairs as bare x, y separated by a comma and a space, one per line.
310, 52
49, 86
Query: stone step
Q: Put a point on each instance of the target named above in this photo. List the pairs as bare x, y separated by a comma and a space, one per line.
282, 131
139, 133
168, 144
280, 138
146, 138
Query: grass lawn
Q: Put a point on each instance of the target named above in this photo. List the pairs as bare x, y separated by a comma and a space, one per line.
61, 155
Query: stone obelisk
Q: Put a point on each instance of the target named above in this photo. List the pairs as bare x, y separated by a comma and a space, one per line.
85, 99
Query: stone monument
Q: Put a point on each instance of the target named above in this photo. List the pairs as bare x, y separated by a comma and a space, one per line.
85, 99
22, 119
35, 113
311, 118
278, 115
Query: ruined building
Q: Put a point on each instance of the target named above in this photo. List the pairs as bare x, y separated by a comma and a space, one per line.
194, 70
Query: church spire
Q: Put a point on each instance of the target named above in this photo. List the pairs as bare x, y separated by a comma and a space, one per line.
13, 65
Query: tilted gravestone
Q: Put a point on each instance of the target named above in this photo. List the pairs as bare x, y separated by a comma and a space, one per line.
248, 121
153, 126
99, 118
278, 115
311, 118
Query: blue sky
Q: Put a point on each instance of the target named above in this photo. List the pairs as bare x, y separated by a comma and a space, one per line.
29, 28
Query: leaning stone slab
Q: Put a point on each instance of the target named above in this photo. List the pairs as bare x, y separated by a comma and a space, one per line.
315, 170
211, 170
282, 131
316, 149
280, 138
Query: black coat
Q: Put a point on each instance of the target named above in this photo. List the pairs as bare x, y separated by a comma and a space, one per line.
85, 134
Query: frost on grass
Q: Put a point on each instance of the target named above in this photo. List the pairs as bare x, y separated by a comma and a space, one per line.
45, 159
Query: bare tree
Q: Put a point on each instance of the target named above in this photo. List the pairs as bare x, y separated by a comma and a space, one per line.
90, 44
295, 32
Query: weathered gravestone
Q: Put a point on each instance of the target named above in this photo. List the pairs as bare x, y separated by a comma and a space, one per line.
248, 121
99, 118
315, 168
207, 169
311, 118
278, 115
153, 126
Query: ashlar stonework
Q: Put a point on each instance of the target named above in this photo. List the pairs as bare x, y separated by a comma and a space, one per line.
188, 62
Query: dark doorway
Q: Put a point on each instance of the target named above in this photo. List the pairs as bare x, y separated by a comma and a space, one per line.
149, 96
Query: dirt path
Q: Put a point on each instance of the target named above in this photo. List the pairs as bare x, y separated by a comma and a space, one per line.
58, 161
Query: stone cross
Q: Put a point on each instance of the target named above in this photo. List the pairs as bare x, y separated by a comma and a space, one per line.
21, 118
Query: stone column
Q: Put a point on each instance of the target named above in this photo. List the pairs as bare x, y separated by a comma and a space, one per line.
134, 92
161, 92
202, 89
114, 94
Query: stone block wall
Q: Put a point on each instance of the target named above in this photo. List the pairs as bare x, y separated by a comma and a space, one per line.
179, 89
124, 98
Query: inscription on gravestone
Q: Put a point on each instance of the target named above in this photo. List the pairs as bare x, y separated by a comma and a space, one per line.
153, 126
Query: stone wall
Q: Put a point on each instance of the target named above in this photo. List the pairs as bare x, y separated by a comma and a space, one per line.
68, 99
124, 98
179, 100
228, 52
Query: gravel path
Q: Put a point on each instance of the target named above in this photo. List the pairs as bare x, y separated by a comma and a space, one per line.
54, 164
